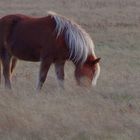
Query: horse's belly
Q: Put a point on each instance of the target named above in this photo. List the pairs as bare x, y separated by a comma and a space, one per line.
26, 53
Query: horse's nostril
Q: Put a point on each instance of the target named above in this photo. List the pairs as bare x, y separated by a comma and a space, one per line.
84, 81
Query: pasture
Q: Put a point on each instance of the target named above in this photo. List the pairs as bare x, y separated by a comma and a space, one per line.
111, 110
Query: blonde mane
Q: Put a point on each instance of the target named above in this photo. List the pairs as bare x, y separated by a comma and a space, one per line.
77, 39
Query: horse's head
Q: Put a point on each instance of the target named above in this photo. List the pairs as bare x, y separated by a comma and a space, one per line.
88, 73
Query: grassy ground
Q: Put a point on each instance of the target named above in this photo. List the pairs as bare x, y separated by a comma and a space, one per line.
111, 111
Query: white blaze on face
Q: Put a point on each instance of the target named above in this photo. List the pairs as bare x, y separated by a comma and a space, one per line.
96, 75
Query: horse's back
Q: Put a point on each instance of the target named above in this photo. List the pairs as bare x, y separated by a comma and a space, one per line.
29, 38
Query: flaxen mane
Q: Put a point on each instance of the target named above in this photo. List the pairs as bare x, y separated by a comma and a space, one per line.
77, 39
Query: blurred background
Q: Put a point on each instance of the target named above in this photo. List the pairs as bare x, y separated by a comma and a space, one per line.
109, 111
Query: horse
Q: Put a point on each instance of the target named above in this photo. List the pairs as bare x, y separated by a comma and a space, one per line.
53, 39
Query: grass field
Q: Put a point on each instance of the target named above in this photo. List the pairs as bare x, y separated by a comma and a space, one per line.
111, 110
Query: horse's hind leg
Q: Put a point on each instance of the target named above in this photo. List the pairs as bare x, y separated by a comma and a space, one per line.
44, 67
13, 64
59, 70
6, 58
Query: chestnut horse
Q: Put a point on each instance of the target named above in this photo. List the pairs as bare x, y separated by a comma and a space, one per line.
51, 39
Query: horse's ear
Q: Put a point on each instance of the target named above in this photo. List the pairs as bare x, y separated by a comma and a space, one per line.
96, 61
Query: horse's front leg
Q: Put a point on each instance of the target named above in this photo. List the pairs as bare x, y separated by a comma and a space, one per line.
59, 70
44, 68
6, 58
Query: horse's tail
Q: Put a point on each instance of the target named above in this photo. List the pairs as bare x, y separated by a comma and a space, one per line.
7, 26
10, 23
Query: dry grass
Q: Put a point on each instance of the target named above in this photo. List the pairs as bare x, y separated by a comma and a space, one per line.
111, 111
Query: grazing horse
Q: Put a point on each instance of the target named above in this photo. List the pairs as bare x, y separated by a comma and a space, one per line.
51, 39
